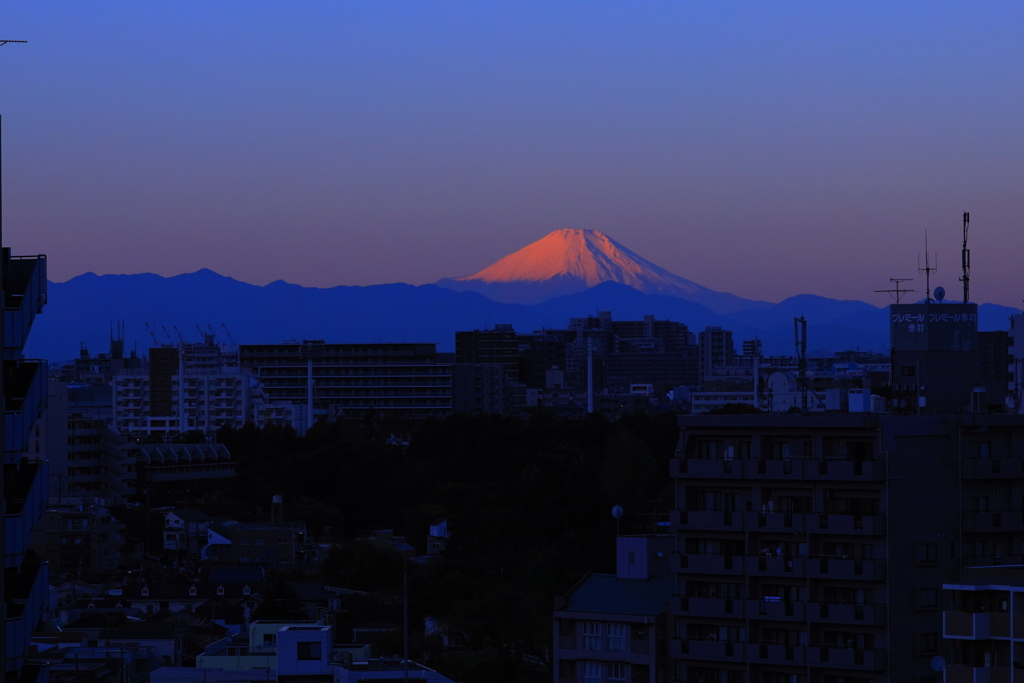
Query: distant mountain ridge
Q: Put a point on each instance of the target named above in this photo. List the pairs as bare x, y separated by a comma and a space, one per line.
570, 261
83, 309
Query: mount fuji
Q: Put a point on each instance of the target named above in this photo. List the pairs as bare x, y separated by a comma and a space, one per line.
567, 274
570, 261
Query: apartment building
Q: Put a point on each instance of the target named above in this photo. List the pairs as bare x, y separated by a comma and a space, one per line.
25, 480
614, 627
79, 539
153, 403
402, 380
984, 626
814, 548
88, 459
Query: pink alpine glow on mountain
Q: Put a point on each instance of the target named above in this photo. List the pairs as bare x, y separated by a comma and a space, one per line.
569, 261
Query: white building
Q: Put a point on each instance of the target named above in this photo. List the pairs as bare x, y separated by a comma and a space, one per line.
212, 399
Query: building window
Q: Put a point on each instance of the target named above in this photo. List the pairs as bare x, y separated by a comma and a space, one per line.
591, 635
567, 669
309, 650
566, 627
927, 553
927, 598
983, 449
641, 673
616, 637
593, 672
709, 450
929, 642
616, 672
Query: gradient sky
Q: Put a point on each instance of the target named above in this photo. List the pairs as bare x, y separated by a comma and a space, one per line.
765, 149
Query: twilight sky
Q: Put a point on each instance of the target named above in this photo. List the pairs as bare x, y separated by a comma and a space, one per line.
765, 149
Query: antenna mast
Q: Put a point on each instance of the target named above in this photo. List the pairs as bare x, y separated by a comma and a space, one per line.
965, 258
898, 293
800, 340
927, 270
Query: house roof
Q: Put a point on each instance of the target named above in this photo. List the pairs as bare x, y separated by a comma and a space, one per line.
220, 530
608, 594
190, 514
310, 591
225, 575
180, 591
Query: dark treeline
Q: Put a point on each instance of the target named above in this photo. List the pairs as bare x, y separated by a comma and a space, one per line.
528, 504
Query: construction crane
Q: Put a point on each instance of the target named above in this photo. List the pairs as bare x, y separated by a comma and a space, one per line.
152, 333
228, 332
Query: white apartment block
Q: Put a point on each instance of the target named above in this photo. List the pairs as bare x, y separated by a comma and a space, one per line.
210, 401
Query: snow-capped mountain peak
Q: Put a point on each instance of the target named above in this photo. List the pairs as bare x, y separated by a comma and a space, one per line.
569, 261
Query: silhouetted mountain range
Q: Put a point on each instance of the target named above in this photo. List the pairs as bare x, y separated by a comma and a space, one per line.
83, 309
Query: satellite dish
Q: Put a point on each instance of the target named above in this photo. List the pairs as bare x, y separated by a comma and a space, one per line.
938, 663
617, 511
940, 294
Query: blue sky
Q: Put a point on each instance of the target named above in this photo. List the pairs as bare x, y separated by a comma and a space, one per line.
767, 149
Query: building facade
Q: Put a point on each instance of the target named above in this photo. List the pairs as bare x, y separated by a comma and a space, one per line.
814, 548
25, 480
347, 380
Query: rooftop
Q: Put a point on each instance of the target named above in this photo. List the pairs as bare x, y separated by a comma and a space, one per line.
608, 594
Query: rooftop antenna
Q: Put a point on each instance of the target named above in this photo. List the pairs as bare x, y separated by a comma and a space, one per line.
800, 340
965, 259
927, 270
897, 292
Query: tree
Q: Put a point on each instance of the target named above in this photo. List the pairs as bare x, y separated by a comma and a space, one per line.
280, 603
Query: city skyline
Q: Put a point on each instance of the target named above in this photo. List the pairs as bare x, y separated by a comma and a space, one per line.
764, 152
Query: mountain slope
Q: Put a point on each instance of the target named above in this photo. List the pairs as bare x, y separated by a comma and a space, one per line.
83, 309
569, 261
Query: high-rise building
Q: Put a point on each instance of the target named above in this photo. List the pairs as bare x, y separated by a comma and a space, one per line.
25, 485
814, 548
402, 380
716, 349
499, 345
164, 402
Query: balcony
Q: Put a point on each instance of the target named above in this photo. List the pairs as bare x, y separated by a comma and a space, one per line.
976, 625
988, 674
712, 520
711, 650
707, 564
846, 470
722, 608
26, 592
866, 525
847, 658
775, 610
989, 468
25, 399
835, 613
24, 296
764, 565
25, 492
777, 654
993, 521
780, 521
837, 568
